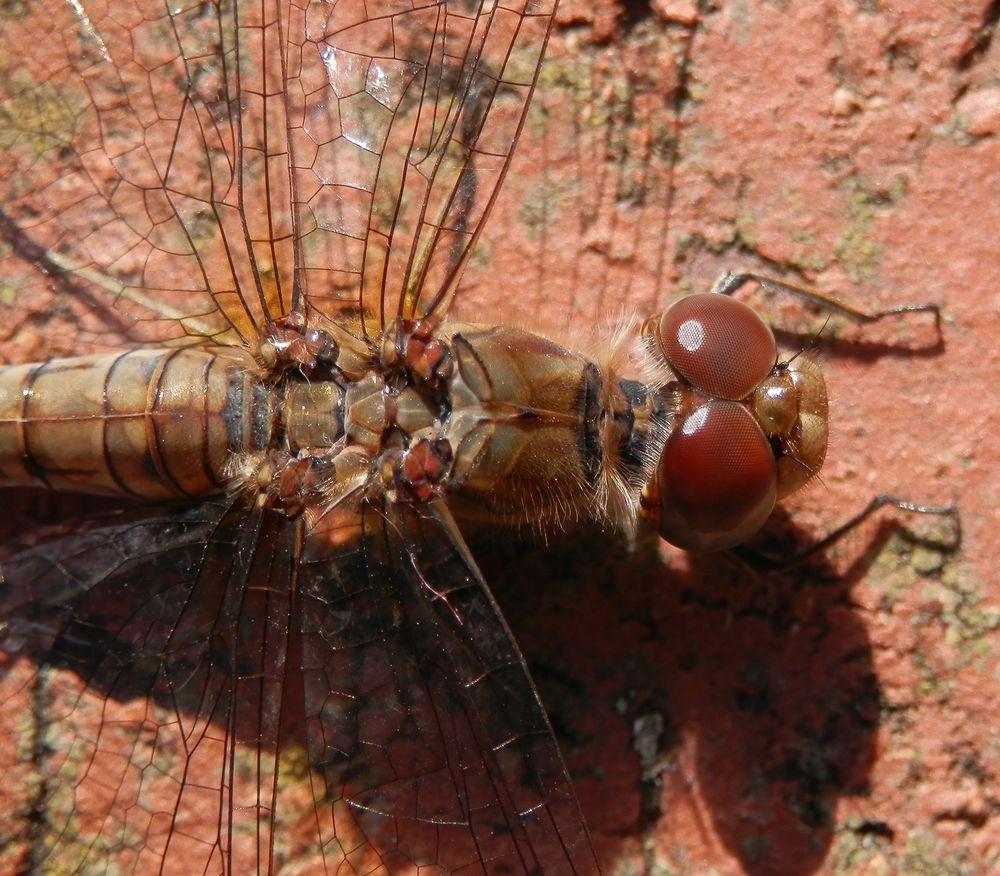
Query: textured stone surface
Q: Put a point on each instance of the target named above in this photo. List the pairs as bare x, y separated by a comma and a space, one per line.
841, 718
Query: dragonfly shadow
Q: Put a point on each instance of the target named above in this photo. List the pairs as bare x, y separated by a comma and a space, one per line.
867, 348
21, 244
28, 509
706, 703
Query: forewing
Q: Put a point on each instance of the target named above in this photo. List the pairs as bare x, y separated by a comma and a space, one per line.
206, 168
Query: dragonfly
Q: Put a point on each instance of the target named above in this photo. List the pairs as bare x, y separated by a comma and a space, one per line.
275, 650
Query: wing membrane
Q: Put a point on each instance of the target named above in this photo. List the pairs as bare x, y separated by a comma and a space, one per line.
208, 168
440, 92
145, 666
219, 688
443, 750
124, 163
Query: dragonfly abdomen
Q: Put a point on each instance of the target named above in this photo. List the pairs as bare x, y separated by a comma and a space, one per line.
153, 423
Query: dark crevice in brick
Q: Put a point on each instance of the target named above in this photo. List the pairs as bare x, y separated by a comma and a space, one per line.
984, 37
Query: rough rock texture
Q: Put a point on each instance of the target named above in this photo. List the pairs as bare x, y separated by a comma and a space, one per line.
840, 718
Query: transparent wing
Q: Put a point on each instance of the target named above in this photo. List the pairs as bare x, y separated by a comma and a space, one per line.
136, 167
207, 168
219, 690
429, 102
144, 664
210, 689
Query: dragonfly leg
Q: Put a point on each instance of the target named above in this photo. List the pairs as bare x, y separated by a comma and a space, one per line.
730, 282
416, 474
411, 345
290, 344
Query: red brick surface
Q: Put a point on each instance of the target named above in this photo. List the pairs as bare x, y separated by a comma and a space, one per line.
840, 719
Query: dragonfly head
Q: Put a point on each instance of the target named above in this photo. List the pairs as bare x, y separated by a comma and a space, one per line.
744, 428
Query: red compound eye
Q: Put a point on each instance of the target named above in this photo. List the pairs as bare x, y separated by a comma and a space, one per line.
718, 344
717, 478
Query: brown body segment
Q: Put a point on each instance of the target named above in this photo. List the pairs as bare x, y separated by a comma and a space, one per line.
152, 423
518, 427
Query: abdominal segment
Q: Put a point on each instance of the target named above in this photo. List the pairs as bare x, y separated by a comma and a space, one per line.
152, 423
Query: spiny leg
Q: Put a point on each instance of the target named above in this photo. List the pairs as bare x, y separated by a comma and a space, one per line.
729, 283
